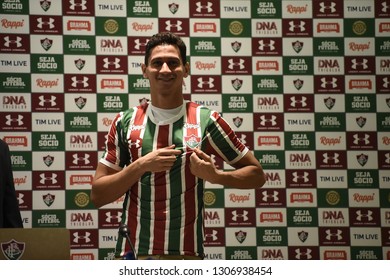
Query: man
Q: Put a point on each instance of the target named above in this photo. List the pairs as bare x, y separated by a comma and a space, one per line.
158, 154
9, 207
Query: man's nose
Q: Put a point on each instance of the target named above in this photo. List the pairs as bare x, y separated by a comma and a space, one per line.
165, 68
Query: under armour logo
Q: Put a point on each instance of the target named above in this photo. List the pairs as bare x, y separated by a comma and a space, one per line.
328, 158
301, 254
300, 176
81, 4
207, 7
10, 119
334, 234
300, 26
301, 101
331, 7
43, 101
332, 82
17, 41
239, 63
52, 178
77, 159
49, 23
83, 82
113, 217
243, 215
139, 44
202, 81
363, 63
387, 158
108, 62
136, 143
264, 120
359, 139
270, 45
267, 194
385, 7
77, 237
213, 235
176, 25
367, 215
386, 82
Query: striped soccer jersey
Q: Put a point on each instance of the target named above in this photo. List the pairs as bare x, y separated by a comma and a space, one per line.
164, 210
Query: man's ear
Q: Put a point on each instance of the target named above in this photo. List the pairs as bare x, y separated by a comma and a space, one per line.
186, 70
143, 67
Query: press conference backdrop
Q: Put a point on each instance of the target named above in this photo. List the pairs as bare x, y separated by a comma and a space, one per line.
306, 84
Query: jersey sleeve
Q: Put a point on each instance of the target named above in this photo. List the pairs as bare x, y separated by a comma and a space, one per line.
115, 154
223, 141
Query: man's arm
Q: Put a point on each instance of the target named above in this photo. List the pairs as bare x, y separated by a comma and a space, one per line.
108, 184
248, 173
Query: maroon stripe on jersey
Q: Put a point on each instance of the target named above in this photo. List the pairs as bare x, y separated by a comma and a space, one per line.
111, 148
135, 140
134, 136
190, 209
160, 193
229, 132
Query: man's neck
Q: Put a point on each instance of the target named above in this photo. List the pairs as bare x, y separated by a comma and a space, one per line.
167, 102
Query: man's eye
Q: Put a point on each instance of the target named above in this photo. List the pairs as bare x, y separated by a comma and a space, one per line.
157, 63
173, 63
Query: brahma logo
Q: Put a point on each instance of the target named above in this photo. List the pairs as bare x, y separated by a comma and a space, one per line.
328, 27
16, 141
335, 255
80, 180
301, 197
112, 83
271, 217
78, 25
267, 65
269, 141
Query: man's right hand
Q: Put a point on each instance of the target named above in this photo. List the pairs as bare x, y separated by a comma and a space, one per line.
160, 159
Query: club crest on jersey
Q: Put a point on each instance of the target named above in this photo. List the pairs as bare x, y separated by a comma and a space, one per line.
13, 250
192, 141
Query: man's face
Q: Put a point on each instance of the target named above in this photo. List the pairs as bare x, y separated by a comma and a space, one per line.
165, 70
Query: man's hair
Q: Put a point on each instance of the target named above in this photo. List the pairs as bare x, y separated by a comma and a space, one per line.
166, 38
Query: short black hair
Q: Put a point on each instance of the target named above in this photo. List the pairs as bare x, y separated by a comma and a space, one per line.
166, 38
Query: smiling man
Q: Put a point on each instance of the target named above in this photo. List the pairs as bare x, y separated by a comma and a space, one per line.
159, 155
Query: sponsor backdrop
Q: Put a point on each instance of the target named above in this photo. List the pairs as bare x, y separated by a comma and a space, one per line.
306, 84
